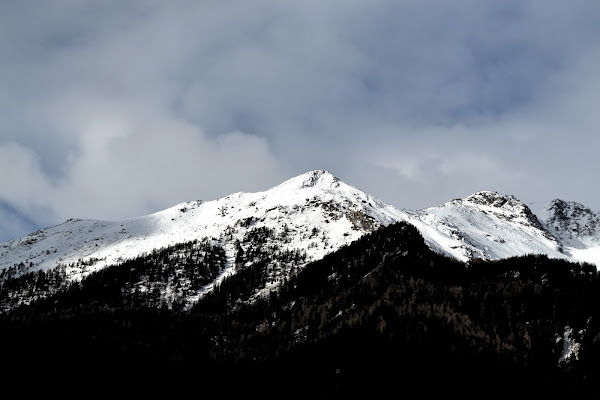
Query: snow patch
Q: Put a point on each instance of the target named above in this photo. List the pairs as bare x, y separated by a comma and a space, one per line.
570, 350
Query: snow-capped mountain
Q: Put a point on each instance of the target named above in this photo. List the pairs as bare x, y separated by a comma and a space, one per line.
574, 225
315, 214
487, 225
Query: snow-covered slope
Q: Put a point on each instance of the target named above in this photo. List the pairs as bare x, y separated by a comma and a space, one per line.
576, 226
314, 213
487, 225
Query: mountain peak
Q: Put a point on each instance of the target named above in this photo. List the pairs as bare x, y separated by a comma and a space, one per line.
562, 208
317, 178
493, 199
508, 205
572, 222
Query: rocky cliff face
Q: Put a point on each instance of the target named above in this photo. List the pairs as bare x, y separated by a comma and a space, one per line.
572, 222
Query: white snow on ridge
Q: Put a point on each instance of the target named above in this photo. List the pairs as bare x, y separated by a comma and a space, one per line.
318, 213
314, 201
590, 255
574, 225
571, 347
489, 225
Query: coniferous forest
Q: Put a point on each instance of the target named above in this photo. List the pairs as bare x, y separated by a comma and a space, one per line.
383, 315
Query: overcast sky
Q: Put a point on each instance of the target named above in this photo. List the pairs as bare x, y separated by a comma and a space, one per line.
115, 109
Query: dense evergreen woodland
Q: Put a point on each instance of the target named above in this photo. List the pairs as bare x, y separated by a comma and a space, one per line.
384, 315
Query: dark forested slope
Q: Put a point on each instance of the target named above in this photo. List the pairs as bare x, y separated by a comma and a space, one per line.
384, 313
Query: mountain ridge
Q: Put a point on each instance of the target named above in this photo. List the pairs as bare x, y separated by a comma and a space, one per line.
315, 285
314, 213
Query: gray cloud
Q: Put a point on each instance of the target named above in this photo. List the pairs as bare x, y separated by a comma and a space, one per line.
112, 109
